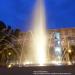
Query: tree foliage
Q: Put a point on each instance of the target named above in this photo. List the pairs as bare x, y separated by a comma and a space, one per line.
9, 46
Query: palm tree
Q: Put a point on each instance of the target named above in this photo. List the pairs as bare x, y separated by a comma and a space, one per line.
2, 26
9, 46
17, 32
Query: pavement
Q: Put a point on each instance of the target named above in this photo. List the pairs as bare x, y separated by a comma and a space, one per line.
39, 70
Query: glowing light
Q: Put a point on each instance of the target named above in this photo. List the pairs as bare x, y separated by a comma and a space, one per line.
39, 33
69, 51
40, 50
69, 63
27, 62
9, 66
9, 53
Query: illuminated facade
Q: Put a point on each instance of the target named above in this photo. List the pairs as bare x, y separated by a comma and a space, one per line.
67, 36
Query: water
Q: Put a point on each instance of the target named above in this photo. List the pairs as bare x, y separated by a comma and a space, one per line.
39, 33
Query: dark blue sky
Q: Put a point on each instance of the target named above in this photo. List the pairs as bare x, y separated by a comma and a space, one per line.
18, 13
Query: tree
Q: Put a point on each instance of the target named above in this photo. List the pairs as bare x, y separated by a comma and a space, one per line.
9, 46
2, 26
17, 32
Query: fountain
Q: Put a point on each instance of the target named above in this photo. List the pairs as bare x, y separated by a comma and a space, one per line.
38, 54
39, 34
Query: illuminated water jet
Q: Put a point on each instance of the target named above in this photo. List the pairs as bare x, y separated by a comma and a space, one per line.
39, 34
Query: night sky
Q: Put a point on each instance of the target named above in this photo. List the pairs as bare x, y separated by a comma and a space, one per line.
18, 13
